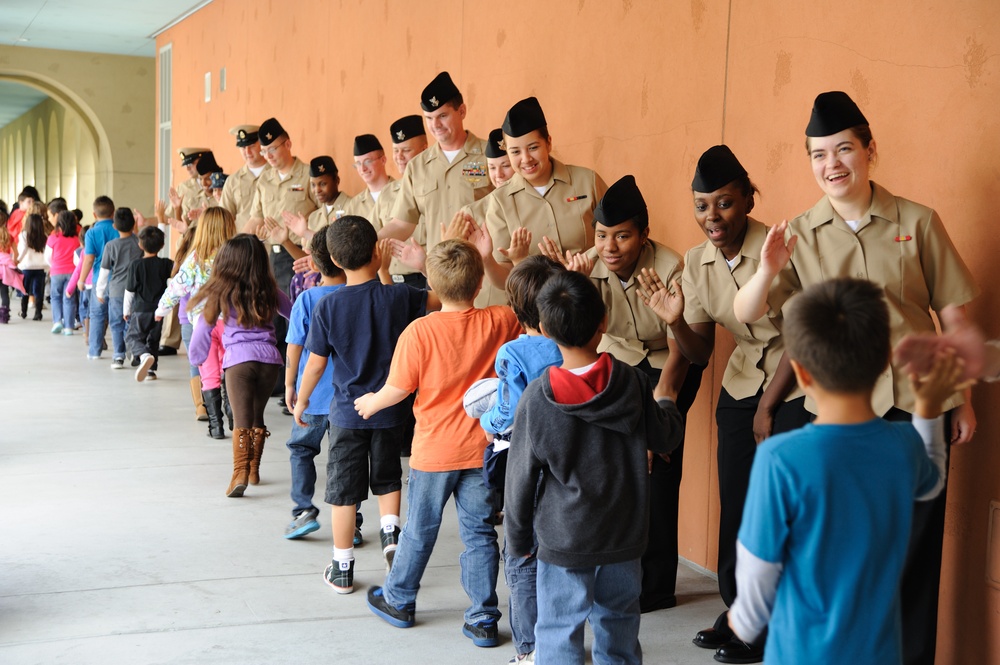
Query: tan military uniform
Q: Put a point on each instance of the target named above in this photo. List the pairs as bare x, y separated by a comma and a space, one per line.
188, 191
634, 331
900, 245
709, 290
565, 214
433, 189
377, 211
321, 217
489, 295
237, 194
273, 195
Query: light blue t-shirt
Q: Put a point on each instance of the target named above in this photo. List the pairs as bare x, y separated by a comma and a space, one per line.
100, 234
833, 505
298, 331
519, 362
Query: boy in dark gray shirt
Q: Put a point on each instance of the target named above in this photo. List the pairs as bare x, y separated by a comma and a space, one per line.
118, 256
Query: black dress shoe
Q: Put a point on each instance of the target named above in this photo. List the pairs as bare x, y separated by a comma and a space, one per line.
167, 351
738, 651
710, 638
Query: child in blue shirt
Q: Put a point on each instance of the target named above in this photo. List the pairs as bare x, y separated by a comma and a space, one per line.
828, 512
518, 363
355, 330
305, 442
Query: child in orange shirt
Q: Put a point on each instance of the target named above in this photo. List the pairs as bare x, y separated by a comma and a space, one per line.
435, 358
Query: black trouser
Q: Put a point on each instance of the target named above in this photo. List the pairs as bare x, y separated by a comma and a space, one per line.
143, 335
922, 571
659, 561
736, 450
4, 296
281, 262
249, 386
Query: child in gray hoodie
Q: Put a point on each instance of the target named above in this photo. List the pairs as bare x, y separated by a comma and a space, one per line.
580, 439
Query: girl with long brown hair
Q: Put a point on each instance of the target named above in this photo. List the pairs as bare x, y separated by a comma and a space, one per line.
242, 292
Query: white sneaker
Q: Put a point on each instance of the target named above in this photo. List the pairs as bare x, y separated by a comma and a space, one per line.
146, 361
522, 658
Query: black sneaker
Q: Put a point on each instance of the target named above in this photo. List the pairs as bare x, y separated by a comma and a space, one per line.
390, 540
358, 538
340, 575
303, 523
151, 376
118, 363
380, 607
483, 633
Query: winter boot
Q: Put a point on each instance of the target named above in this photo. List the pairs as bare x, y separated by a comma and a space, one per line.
242, 442
226, 408
4, 314
260, 434
201, 413
213, 404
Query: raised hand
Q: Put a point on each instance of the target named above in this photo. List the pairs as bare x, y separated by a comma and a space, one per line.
296, 222
276, 231
776, 253
520, 245
409, 253
461, 227
666, 303
580, 262
480, 237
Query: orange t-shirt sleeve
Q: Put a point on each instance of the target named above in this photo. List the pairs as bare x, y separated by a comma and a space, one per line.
404, 370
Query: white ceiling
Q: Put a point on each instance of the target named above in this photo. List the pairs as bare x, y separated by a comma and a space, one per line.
120, 27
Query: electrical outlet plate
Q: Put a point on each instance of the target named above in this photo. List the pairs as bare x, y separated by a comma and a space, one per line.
993, 546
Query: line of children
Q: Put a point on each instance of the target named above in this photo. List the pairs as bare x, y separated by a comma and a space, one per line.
60, 253
116, 259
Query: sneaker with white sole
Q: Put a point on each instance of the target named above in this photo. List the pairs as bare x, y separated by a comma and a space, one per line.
145, 364
57, 328
340, 575
390, 541
522, 659
151, 376
118, 363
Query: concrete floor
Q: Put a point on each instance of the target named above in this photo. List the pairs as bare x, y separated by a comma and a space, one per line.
117, 544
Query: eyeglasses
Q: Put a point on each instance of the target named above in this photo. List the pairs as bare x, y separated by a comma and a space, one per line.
272, 149
367, 163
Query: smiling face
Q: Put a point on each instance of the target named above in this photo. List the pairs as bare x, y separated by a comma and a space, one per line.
406, 150
324, 188
840, 163
447, 126
529, 155
500, 169
619, 246
722, 215
279, 154
251, 155
371, 167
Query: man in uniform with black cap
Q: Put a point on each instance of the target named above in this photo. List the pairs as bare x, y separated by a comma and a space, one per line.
324, 183
282, 188
237, 194
182, 197
374, 202
207, 167
408, 140
445, 177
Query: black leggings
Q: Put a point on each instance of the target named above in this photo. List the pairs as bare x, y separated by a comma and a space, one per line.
249, 386
34, 285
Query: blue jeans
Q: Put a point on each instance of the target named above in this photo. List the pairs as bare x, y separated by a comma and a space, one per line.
98, 319
521, 574
116, 312
187, 329
304, 446
480, 562
63, 308
607, 595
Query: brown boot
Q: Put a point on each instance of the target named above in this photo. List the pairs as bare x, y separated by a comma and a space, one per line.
260, 434
242, 445
201, 413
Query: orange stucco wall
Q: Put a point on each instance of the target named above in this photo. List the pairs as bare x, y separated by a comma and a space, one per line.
643, 87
